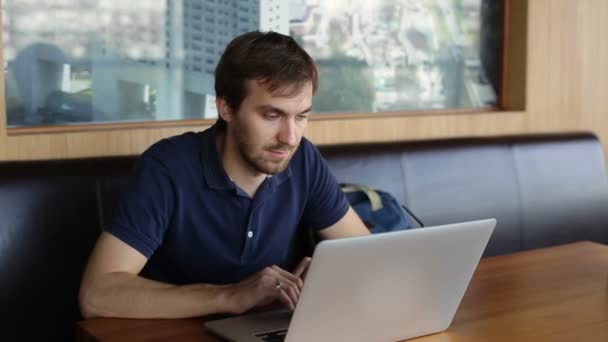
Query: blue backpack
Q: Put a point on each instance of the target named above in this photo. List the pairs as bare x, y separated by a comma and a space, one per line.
378, 209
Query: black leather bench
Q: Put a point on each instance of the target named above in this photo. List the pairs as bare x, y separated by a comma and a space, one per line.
542, 190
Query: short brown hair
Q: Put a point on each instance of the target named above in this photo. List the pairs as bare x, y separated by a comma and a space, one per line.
273, 59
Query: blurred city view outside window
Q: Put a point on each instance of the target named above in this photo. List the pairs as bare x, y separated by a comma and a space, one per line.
85, 61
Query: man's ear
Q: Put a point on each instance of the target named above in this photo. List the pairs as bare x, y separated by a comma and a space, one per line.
223, 109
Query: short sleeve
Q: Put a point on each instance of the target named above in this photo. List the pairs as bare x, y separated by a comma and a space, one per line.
142, 216
326, 203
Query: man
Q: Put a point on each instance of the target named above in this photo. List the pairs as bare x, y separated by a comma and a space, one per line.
208, 216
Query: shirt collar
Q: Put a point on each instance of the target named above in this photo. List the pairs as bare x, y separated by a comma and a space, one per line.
213, 166
211, 162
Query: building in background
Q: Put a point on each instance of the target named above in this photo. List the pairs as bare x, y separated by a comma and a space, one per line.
117, 60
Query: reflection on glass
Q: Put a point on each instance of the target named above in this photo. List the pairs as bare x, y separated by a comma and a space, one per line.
401, 55
84, 61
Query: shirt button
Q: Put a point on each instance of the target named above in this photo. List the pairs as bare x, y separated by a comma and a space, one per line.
250, 234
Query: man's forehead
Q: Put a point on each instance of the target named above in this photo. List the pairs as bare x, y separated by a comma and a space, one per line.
289, 90
298, 100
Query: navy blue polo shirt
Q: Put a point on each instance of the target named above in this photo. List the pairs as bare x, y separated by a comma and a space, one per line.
182, 211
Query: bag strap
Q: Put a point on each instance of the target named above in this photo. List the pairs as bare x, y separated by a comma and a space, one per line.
372, 195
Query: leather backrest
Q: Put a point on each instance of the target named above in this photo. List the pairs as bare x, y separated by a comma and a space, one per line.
563, 191
542, 191
49, 221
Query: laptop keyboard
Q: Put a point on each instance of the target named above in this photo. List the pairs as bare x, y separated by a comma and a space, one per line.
273, 336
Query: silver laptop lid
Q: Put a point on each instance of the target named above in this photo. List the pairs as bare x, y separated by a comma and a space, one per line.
388, 287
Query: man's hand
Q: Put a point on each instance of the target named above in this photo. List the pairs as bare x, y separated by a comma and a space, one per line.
270, 284
302, 268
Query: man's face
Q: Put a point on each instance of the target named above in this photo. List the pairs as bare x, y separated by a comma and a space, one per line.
268, 127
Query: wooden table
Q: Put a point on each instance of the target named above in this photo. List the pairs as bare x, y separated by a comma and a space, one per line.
551, 294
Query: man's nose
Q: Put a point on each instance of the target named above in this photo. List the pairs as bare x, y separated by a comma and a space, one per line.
287, 135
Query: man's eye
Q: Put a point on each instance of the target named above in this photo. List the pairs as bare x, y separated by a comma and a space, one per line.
271, 116
302, 117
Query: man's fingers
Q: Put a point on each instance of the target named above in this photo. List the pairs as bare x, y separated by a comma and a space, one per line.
293, 292
287, 284
286, 299
291, 277
302, 267
290, 288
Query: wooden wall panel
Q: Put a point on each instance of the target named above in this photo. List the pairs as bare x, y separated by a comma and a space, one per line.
593, 68
566, 77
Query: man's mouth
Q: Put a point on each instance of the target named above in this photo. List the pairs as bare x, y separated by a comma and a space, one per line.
279, 153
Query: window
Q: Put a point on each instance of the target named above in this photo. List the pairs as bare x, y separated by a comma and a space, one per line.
378, 56
73, 61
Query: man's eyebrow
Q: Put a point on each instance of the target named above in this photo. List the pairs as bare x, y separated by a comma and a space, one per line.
269, 108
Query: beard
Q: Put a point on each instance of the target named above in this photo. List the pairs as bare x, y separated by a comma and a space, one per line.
254, 156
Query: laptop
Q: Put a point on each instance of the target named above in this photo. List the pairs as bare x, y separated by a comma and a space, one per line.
383, 287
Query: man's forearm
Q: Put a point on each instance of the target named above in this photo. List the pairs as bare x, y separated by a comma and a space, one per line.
128, 295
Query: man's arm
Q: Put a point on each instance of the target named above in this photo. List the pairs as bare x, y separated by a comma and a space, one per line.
111, 287
349, 225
